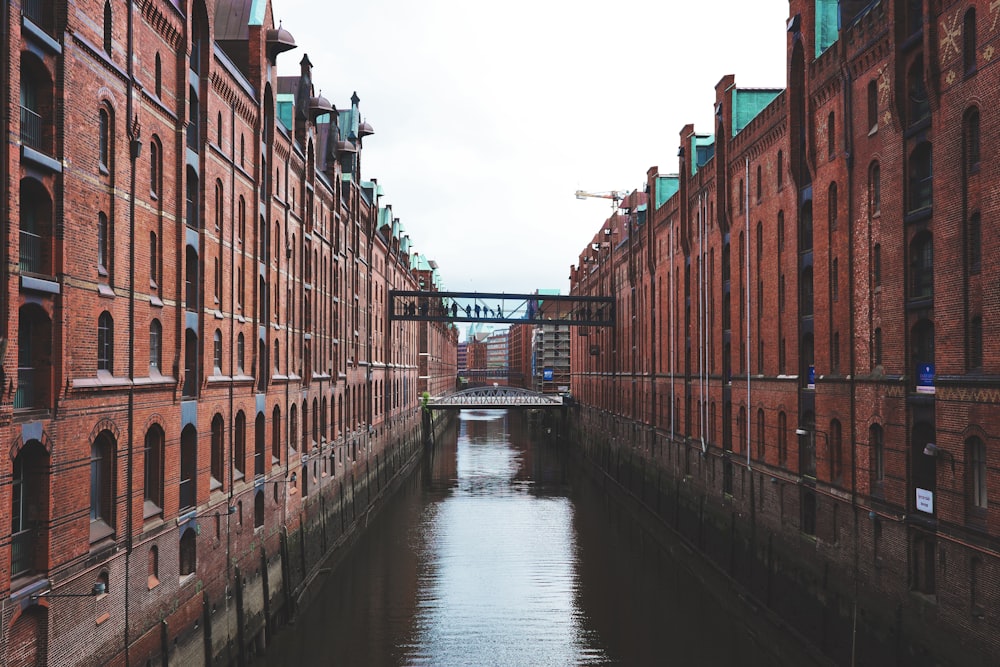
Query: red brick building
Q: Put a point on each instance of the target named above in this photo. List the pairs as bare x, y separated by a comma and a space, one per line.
197, 360
803, 318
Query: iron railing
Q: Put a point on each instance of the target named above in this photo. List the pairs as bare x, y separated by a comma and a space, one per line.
31, 252
29, 385
31, 129
22, 551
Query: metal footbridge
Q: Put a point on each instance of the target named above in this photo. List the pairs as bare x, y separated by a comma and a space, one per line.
497, 397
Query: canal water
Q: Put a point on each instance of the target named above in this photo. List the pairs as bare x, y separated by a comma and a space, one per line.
500, 551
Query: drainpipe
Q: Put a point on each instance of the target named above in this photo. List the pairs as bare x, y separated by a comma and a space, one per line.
746, 280
232, 334
132, 125
849, 157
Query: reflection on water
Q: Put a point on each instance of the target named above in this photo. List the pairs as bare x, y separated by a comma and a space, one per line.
498, 553
498, 581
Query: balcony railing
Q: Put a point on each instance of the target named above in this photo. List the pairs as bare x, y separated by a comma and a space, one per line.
31, 129
22, 551
29, 388
30, 252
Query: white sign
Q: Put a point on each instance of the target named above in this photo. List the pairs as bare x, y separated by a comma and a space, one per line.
925, 501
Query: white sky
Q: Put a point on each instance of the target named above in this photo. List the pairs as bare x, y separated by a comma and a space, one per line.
488, 116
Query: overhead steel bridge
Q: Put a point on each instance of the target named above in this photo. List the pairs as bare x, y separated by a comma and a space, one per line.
501, 308
494, 397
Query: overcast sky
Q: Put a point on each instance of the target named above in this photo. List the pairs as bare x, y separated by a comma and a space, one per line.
488, 116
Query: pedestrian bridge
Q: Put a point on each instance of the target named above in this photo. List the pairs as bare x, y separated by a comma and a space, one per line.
494, 397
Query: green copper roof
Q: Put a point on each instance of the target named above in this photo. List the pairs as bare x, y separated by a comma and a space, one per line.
702, 150
748, 102
827, 24
257, 11
666, 186
374, 187
385, 217
286, 107
349, 123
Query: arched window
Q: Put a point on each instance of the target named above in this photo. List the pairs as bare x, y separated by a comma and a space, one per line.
155, 345
806, 228
154, 261
158, 76
217, 453
781, 169
977, 472
153, 567
918, 107
969, 41
239, 445
153, 472
102, 487
293, 427
832, 206
188, 553
193, 217
105, 343
104, 139
217, 352
276, 435
155, 167
103, 244
872, 106
188, 468
108, 26
874, 189
240, 353
34, 350
760, 184
922, 266
971, 139
35, 243
258, 509
259, 445
192, 270
29, 506
191, 374
761, 437
921, 178
831, 136
806, 292
922, 341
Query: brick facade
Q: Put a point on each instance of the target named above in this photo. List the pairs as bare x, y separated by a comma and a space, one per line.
197, 358
804, 312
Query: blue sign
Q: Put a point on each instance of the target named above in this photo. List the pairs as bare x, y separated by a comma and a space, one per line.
812, 377
547, 375
925, 378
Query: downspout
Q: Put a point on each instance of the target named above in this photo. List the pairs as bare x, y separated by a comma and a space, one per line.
701, 325
132, 125
671, 330
232, 333
746, 280
703, 333
849, 158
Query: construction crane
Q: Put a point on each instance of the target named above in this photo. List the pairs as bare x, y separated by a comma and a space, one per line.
614, 195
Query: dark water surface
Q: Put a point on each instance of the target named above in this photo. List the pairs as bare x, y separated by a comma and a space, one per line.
500, 552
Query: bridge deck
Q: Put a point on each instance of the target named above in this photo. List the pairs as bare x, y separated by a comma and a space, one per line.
495, 397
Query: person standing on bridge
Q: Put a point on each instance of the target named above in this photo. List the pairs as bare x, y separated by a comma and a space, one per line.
468, 310
477, 310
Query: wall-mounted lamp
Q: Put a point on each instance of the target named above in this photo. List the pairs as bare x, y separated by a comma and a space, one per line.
930, 449
99, 589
